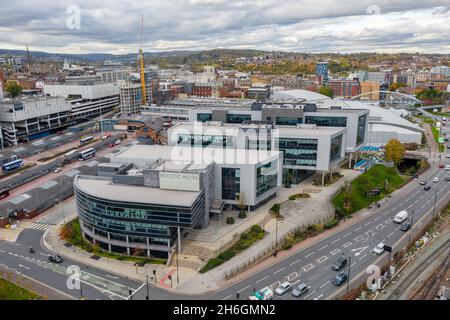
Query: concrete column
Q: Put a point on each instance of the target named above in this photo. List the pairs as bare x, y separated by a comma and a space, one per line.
350, 160
148, 250
109, 244
128, 245
179, 240
323, 179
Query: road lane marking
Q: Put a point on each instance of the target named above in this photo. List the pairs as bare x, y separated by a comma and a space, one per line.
371, 232
310, 254
245, 288
317, 298
363, 257
390, 234
335, 251
379, 227
357, 229
292, 276
323, 247
309, 294
377, 218
314, 276
227, 297
322, 259
347, 234
336, 240
324, 284
345, 245
279, 270
368, 223
22, 266
359, 238
308, 267
388, 221
262, 279
296, 261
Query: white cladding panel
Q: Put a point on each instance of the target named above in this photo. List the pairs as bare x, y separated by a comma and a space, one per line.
179, 181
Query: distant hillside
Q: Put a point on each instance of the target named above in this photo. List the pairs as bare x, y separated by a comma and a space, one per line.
175, 57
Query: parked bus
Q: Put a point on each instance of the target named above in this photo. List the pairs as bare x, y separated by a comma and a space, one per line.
86, 154
86, 139
4, 193
9, 166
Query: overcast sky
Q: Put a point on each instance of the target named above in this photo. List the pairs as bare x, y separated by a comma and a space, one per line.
290, 25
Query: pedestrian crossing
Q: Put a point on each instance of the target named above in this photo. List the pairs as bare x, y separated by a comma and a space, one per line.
39, 226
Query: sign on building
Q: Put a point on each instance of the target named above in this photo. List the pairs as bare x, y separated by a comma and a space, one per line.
179, 181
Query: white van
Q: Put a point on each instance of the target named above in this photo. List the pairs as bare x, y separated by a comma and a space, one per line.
401, 217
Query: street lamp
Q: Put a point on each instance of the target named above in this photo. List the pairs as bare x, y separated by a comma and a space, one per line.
276, 235
412, 221
434, 206
146, 280
348, 270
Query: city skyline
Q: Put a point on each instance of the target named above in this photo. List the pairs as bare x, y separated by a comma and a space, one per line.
327, 26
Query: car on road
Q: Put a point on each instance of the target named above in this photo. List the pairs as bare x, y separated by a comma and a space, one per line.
339, 279
300, 290
111, 145
426, 188
55, 259
339, 264
283, 288
447, 167
447, 178
57, 170
448, 155
436, 179
401, 216
405, 226
441, 165
263, 294
379, 249
423, 182
117, 142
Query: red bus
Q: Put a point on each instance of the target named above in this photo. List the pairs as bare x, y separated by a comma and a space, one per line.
4, 193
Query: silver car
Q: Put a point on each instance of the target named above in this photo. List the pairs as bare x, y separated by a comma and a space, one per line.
300, 290
283, 288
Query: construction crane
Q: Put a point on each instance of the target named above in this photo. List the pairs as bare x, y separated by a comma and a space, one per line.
142, 67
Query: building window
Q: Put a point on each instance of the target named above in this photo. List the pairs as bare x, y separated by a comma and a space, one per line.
361, 131
298, 152
326, 121
231, 183
335, 149
202, 117
238, 118
266, 177
288, 121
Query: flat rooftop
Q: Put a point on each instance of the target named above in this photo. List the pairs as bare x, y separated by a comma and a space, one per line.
106, 189
187, 155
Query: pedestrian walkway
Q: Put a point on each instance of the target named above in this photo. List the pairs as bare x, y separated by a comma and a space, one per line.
40, 226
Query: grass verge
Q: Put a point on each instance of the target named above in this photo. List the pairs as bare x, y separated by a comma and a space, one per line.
11, 291
246, 240
354, 197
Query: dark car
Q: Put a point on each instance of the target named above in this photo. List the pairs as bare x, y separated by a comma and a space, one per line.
447, 178
426, 188
423, 182
340, 279
300, 290
339, 264
441, 165
55, 259
405, 226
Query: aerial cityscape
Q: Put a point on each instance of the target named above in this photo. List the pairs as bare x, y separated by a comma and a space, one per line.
227, 151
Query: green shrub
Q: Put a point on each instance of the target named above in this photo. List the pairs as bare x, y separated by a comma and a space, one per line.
230, 220
256, 229
242, 214
275, 208
330, 223
226, 255
214, 262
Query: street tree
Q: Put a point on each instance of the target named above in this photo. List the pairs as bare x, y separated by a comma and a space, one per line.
326, 91
394, 151
14, 89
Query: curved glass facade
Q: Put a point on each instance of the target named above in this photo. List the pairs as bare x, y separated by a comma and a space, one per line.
140, 223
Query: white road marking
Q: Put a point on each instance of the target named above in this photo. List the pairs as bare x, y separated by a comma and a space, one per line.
317, 298
323, 247
388, 221
322, 259
345, 245
227, 297
368, 223
310, 254
262, 279
296, 261
363, 257
347, 234
308, 267
335, 251
336, 240
245, 288
279, 270
112, 277
390, 234
357, 229
324, 284
310, 294
22, 266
